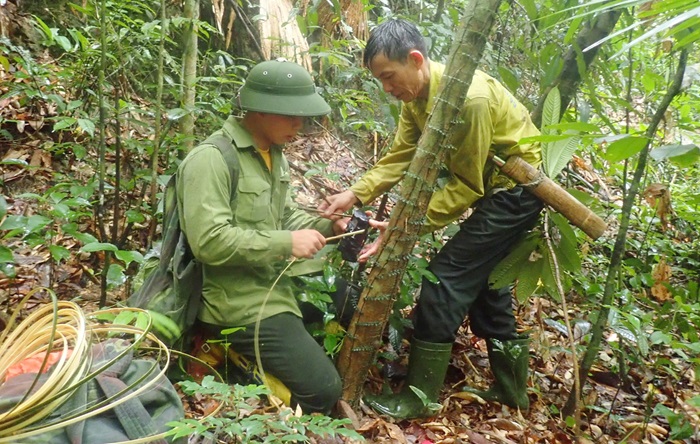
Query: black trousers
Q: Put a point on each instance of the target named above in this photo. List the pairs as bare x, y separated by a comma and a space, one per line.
463, 266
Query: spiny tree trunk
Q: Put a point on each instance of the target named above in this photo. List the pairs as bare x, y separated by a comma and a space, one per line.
570, 76
189, 71
620, 240
383, 284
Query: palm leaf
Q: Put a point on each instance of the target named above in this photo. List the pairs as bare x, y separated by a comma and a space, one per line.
507, 271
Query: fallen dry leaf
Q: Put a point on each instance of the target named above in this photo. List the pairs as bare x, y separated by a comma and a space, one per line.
662, 277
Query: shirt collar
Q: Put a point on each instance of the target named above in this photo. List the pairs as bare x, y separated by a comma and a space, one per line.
240, 136
436, 71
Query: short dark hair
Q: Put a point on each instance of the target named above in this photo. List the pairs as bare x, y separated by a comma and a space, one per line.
394, 38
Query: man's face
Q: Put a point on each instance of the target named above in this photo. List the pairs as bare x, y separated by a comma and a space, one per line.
282, 129
405, 81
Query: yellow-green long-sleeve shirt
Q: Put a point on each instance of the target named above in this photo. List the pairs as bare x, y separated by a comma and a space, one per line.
493, 120
243, 244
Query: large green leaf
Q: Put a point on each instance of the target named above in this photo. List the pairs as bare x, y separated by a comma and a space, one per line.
684, 155
567, 248
508, 269
624, 148
548, 278
550, 111
558, 155
129, 256
6, 255
528, 279
98, 246
59, 253
509, 78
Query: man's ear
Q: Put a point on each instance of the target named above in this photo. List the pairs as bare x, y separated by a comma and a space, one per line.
416, 57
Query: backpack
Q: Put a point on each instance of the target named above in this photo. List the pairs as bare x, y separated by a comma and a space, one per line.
128, 416
172, 279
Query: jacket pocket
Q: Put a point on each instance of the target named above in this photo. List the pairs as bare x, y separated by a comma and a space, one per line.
253, 204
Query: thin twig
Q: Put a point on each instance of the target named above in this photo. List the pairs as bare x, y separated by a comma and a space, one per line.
316, 210
352, 233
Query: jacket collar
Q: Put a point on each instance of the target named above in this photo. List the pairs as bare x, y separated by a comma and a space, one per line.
240, 136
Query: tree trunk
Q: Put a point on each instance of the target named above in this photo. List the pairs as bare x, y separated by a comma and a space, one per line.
374, 307
189, 72
332, 21
570, 77
276, 34
620, 240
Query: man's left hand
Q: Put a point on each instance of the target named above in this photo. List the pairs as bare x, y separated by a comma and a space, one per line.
372, 249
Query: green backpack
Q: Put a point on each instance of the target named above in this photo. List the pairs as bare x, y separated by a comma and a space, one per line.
172, 280
125, 415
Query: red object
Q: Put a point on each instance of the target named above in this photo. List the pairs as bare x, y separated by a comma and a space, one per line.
33, 363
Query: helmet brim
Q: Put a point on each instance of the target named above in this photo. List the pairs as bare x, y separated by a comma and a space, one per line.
309, 105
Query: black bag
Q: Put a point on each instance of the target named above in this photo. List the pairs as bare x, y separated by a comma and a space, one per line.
172, 280
141, 416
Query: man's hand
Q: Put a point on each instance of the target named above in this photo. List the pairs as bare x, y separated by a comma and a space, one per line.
306, 243
337, 203
371, 249
340, 225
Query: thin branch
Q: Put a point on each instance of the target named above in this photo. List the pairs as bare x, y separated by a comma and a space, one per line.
619, 248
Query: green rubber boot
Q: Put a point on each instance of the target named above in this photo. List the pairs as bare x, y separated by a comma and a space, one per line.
510, 361
427, 366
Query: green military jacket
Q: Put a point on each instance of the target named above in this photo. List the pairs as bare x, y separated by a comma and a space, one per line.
243, 243
493, 120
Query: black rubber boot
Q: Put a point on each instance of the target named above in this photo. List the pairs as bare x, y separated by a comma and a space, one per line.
510, 361
427, 366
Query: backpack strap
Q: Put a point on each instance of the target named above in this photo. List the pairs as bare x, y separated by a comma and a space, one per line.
132, 415
170, 216
227, 149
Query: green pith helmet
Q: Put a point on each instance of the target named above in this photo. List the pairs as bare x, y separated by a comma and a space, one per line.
281, 87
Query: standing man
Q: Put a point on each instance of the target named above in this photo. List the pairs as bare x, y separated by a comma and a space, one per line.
244, 240
493, 121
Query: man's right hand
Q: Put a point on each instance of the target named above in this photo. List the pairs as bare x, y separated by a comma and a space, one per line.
337, 203
306, 243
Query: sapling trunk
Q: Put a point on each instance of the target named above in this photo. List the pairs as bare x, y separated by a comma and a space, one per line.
189, 72
157, 128
100, 208
621, 239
